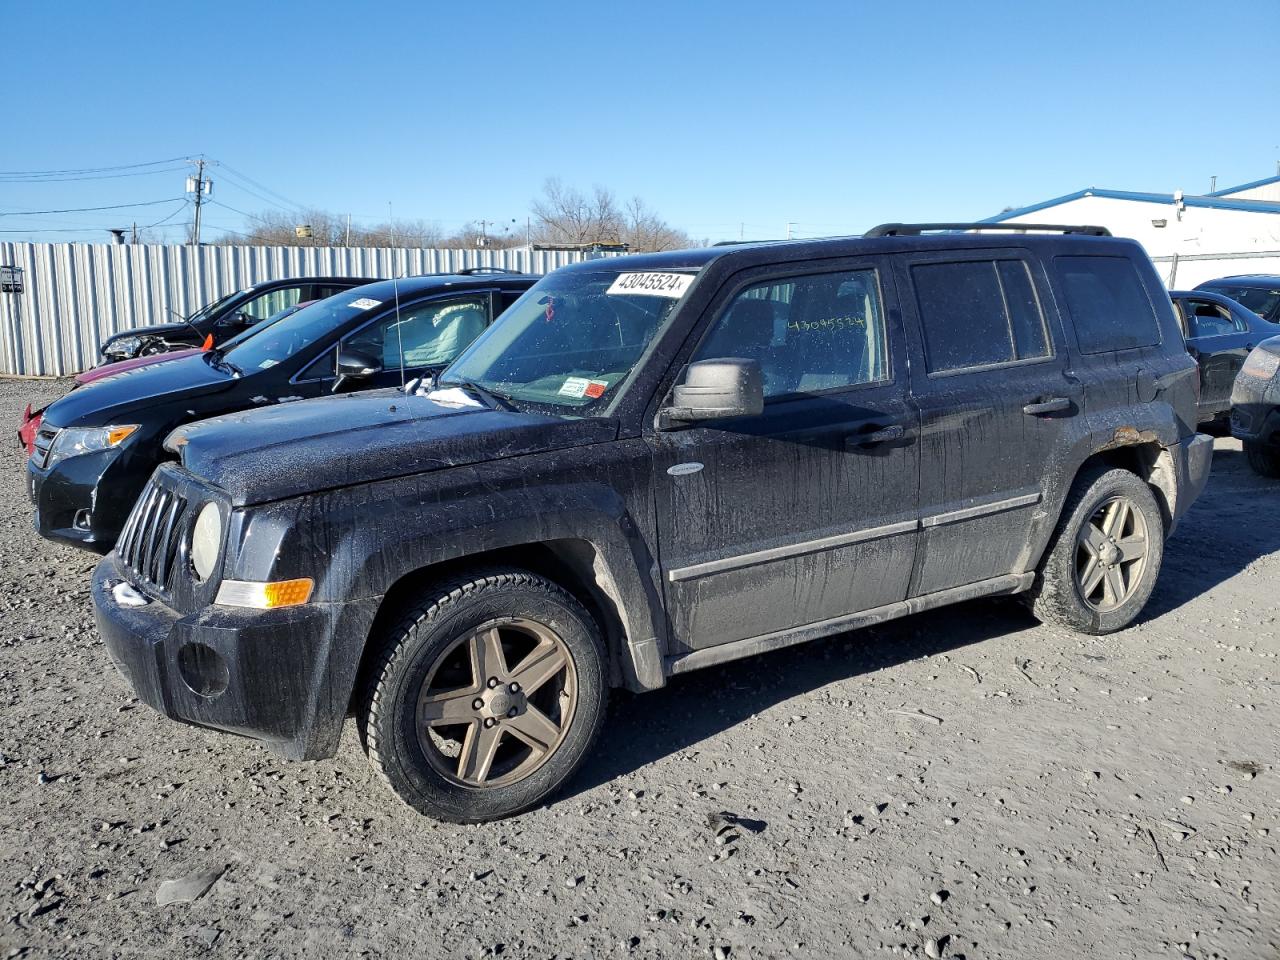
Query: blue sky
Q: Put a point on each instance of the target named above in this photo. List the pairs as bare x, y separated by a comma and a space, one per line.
721, 116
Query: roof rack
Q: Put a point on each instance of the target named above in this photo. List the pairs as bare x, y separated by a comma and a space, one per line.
472, 271
916, 229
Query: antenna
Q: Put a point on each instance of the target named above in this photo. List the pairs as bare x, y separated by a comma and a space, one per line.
395, 286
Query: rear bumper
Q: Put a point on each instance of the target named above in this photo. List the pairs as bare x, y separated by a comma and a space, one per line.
264, 674
1194, 457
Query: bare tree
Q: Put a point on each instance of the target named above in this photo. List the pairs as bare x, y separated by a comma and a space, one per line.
645, 230
568, 215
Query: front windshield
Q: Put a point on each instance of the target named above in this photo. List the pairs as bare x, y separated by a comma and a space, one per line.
272, 343
209, 308
1261, 300
572, 338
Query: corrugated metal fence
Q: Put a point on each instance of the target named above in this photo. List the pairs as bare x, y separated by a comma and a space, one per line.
76, 294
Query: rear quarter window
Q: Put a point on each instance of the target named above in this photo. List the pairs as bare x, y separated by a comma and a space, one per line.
1107, 303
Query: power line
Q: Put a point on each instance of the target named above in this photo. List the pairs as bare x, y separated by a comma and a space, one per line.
263, 187
73, 170
103, 176
115, 206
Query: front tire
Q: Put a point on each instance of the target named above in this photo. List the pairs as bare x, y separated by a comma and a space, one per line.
486, 697
1263, 458
1105, 555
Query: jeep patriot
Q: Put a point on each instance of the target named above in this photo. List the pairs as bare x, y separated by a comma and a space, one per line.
652, 464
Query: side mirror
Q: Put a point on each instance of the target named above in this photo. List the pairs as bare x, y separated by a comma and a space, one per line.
237, 320
716, 390
355, 366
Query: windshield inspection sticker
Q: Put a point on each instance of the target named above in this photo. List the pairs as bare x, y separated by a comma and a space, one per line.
672, 285
364, 303
574, 387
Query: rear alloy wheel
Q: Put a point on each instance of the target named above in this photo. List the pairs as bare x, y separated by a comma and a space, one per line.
486, 698
1104, 558
1111, 554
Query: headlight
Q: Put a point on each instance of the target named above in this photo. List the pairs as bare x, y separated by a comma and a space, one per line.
74, 441
125, 346
206, 540
1261, 364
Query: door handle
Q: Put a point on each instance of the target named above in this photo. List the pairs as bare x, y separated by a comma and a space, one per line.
1053, 405
883, 435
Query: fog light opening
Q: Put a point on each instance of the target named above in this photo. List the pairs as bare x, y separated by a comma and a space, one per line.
81, 521
203, 670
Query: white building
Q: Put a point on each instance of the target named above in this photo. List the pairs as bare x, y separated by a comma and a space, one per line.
1190, 238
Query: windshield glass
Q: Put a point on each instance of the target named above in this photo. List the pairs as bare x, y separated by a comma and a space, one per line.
272, 343
572, 338
209, 308
1262, 301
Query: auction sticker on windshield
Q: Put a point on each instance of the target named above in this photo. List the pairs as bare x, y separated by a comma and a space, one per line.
671, 285
364, 303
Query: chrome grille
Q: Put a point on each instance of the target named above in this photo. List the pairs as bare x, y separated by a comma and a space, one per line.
43, 443
148, 544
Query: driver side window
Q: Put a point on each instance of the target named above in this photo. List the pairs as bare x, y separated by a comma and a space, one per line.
810, 333
268, 304
425, 334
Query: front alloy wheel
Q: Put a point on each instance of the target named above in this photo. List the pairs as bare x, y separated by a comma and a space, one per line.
497, 703
485, 697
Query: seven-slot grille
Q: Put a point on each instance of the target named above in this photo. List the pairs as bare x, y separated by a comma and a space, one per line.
43, 443
148, 544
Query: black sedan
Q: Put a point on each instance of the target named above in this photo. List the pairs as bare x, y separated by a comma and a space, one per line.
224, 318
1219, 333
97, 446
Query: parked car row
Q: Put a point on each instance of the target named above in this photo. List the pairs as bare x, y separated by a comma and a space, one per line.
491, 499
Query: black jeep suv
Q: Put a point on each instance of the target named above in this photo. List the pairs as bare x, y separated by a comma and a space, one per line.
653, 464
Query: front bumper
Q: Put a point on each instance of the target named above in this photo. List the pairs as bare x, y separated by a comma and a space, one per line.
264, 674
1256, 423
85, 500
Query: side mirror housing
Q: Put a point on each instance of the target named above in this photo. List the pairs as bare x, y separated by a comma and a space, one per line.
355, 366
716, 390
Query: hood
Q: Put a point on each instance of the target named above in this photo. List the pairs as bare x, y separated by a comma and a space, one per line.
105, 400
120, 366
166, 330
308, 446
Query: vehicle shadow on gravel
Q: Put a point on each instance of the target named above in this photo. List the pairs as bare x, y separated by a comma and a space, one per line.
643, 728
1225, 531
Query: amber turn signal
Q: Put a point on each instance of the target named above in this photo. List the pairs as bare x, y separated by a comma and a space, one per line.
265, 596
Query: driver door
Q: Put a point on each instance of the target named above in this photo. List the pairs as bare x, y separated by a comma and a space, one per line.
807, 513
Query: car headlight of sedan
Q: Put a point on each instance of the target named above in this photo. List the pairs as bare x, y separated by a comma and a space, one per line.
1261, 364
74, 441
124, 347
206, 540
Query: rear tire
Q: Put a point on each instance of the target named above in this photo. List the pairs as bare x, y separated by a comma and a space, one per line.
1264, 458
1105, 555
486, 697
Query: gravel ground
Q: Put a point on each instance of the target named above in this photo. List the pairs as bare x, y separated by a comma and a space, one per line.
964, 783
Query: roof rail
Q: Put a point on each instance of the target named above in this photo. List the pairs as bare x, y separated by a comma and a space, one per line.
472, 271
916, 229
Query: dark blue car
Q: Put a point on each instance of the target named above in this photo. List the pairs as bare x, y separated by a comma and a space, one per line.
1219, 333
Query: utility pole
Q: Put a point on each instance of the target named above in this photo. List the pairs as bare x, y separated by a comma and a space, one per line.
348, 243
790, 223
200, 186
133, 237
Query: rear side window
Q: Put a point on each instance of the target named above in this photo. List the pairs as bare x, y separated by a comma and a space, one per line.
1106, 300
978, 313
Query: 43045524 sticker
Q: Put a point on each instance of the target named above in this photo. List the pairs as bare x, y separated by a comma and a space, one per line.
670, 285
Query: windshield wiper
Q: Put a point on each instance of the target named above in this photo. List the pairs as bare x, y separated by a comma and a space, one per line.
215, 359
496, 400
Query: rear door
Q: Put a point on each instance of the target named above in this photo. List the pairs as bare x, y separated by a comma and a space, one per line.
806, 513
990, 377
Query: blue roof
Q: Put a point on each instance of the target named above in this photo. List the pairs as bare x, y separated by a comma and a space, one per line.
1264, 182
1213, 202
